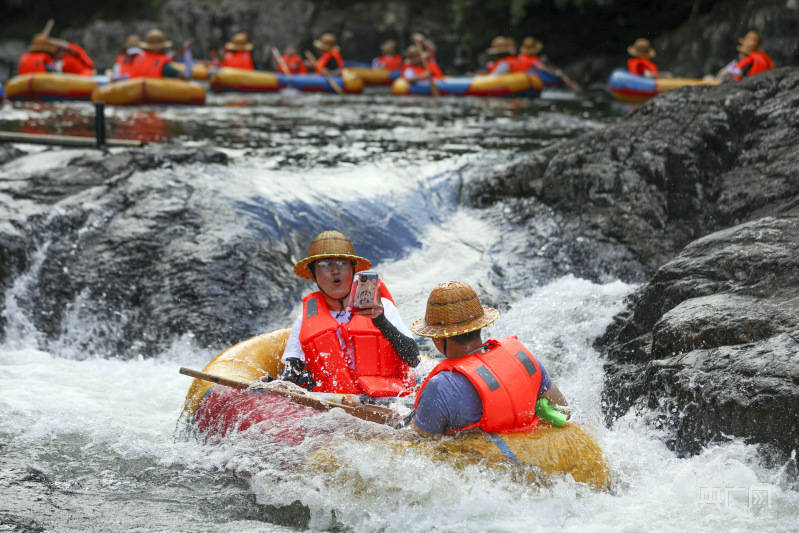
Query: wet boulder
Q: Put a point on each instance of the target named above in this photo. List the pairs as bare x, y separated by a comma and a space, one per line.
689, 162
711, 342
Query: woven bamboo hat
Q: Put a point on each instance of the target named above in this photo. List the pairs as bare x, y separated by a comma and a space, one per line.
530, 46
749, 42
155, 40
499, 46
389, 47
240, 42
326, 42
131, 42
330, 244
41, 43
453, 308
641, 48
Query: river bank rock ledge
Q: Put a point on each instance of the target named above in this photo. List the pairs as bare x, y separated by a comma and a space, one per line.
702, 186
711, 343
687, 163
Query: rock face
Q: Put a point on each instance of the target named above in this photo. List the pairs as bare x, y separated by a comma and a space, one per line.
687, 163
712, 341
129, 257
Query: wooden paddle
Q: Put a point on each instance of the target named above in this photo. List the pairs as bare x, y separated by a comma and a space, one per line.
330, 80
48, 28
371, 413
425, 60
281, 63
570, 83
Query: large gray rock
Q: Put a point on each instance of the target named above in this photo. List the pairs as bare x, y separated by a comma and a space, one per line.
712, 341
688, 162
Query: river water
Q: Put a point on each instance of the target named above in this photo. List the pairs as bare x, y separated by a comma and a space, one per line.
92, 442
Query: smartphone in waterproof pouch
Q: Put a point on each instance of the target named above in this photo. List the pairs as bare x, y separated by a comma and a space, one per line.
365, 290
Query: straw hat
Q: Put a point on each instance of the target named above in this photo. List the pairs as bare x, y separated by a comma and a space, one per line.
531, 46
453, 308
155, 40
330, 244
326, 42
413, 54
749, 42
641, 48
131, 42
499, 46
389, 47
240, 42
41, 43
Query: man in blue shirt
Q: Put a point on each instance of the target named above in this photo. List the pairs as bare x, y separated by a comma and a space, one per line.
493, 385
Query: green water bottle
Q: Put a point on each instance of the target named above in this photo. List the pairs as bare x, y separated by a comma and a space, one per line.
549, 412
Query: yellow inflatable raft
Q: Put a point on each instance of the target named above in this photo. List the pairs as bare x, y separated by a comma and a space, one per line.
144, 91
199, 71
374, 76
546, 451
50, 86
241, 80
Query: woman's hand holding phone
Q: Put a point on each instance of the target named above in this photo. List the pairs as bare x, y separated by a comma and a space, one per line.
371, 310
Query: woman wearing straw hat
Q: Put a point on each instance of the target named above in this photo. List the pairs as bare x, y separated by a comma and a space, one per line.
493, 385
420, 66
640, 61
390, 60
503, 54
238, 53
528, 54
330, 61
153, 62
332, 349
39, 57
753, 60
127, 54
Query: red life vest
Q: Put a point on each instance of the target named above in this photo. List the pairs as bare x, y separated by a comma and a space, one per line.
640, 65
77, 61
125, 63
149, 65
418, 71
507, 377
33, 62
756, 62
238, 59
390, 62
323, 62
512, 62
294, 64
374, 368
529, 62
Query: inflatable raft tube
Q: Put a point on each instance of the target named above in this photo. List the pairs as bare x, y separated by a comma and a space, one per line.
518, 84
375, 76
239, 80
146, 91
199, 71
48, 87
564, 450
633, 89
534, 456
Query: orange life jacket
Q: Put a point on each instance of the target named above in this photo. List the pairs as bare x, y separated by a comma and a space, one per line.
148, 65
435, 71
33, 62
390, 62
322, 62
756, 62
370, 365
77, 61
125, 63
512, 62
527, 62
640, 65
238, 59
507, 377
294, 64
